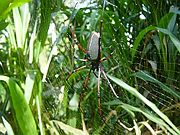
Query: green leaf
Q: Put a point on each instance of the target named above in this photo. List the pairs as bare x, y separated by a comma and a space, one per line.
165, 20
22, 111
45, 21
4, 5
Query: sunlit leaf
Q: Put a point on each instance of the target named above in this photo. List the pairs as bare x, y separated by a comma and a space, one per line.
8, 127
69, 129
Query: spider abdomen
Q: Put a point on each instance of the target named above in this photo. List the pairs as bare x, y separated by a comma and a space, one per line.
93, 46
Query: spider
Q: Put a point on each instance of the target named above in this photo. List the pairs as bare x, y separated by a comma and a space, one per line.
93, 55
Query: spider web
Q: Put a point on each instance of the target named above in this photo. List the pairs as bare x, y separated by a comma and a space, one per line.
144, 60
154, 92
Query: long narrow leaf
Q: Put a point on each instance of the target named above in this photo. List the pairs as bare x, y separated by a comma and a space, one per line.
23, 113
145, 76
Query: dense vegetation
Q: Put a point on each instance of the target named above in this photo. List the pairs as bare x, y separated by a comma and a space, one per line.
40, 94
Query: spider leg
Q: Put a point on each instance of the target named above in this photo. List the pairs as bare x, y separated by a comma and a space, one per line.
99, 92
84, 60
87, 78
101, 22
76, 70
106, 58
76, 41
106, 78
95, 74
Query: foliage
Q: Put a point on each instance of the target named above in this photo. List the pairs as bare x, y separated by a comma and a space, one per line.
40, 94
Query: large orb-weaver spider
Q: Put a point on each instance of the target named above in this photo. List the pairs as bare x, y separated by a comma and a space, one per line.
93, 55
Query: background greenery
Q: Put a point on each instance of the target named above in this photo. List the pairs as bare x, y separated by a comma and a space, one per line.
37, 55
